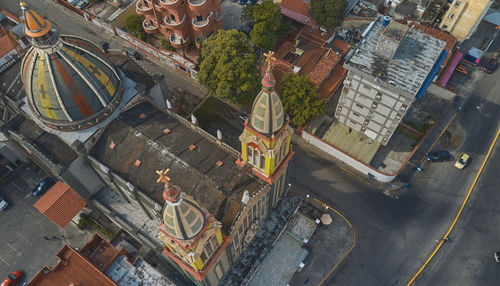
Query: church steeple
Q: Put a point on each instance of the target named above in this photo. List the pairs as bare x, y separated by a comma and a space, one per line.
265, 142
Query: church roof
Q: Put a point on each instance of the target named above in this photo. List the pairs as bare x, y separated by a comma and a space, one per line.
207, 172
69, 83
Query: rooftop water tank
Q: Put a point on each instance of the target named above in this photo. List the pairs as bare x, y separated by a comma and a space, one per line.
386, 20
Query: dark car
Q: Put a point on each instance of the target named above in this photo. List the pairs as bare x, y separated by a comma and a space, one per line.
13, 278
44, 185
105, 47
245, 29
438, 156
491, 66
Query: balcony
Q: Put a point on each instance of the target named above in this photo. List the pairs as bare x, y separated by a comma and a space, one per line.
168, 4
148, 28
196, 3
201, 24
173, 24
176, 41
142, 9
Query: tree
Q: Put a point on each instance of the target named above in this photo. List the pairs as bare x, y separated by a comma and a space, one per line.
167, 45
267, 22
133, 23
329, 13
300, 99
263, 37
228, 69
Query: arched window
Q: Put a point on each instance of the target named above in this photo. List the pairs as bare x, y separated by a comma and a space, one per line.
249, 154
262, 162
257, 158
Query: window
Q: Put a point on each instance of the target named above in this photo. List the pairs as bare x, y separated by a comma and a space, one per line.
283, 149
257, 158
262, 162
345, 90
199, 18
367, 87
218, 271
172, 17
359, 105
355, 114
249, 154
210, 247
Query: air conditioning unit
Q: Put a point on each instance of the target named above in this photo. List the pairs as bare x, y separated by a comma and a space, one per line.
378, 96
363, 128
366, 122
398, 116
403, 108
374, 105
370, 114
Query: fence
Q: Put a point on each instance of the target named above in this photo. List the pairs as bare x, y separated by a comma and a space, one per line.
173, 59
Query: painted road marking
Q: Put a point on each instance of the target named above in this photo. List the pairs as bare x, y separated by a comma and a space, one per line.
12, 247
19, 188
4, 261
459, 211
355, 238
24, 238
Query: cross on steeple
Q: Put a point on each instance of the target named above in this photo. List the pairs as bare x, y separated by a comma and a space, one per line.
269, 58
42, 91
163, 177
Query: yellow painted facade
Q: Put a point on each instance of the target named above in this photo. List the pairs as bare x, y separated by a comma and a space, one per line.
266, 145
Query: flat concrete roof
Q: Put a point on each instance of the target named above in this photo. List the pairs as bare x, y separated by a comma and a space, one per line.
397, 55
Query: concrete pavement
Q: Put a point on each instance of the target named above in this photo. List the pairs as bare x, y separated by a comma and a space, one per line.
23, 228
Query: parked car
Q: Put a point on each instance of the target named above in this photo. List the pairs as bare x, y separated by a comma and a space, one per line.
43, 186
245, 29
462, 161
491, 66
3, 204
463, 69
438, 156
13, 278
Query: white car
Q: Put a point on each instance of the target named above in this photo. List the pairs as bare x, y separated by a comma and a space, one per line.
3, 204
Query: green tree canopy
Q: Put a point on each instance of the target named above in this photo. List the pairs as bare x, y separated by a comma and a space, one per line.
300, 99
329, 13
133, 23
228, 69
263, 37
267, 22
167, 45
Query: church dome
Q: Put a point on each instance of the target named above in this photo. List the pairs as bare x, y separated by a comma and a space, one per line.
69, 83
267, 115
183, 218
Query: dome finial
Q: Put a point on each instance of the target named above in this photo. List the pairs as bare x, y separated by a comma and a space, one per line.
268, 79
171, 193
23, 5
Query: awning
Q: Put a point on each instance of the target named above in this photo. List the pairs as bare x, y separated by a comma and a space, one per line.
445, 76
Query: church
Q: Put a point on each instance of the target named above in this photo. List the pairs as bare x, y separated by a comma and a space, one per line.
173, 187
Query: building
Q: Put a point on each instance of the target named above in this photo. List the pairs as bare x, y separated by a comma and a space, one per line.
185, 23
313, 53
199, 223
462, 17
392, 66
99, 262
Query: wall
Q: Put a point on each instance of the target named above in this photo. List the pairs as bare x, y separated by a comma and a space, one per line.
359, 166
119, 21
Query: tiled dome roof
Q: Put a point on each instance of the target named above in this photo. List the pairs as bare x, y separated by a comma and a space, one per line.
267, 110
69, 83
183, 219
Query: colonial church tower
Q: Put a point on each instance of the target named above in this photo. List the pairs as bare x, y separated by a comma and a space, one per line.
192, 236
265, 141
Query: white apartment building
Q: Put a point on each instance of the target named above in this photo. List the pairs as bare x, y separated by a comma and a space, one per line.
391, 67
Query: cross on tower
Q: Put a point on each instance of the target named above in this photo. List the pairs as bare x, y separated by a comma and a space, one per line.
42, 91
163, 177
269, 58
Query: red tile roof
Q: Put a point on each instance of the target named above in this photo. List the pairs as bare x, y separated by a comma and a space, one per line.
324, 66
5, 45
333, 81
297, 10
60, 204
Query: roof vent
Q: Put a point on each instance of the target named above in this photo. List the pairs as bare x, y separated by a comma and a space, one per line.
386, 20
166, 130
219, 163
192, 147
112, 145
137, 163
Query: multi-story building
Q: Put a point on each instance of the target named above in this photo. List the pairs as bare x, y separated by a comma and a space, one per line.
391, 67
183, 22
462, 17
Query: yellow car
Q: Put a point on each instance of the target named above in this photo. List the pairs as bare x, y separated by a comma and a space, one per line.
462, 161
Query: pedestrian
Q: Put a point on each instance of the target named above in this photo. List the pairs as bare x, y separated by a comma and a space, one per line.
395, 197
46, 238
62, 236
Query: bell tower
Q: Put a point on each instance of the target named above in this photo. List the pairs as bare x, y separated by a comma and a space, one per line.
265, 141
